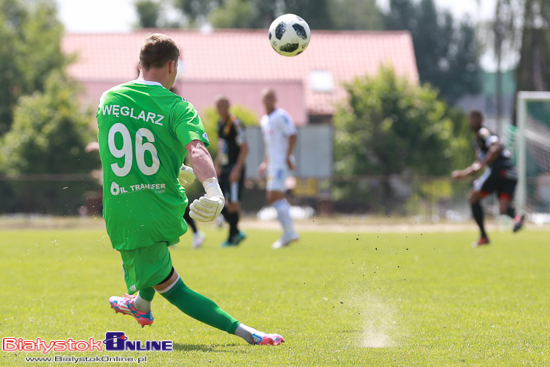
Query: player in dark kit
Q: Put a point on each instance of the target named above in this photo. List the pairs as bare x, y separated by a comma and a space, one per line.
500, 176
230, 166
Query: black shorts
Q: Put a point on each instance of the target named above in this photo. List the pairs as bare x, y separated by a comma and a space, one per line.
231, 191
503, 181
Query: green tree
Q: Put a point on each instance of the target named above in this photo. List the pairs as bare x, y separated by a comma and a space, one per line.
196, 11
462, 75
49, 135
228, 13
233, 14
446, 53
356, 15
503, 34
41, 130
265, 12
315, 12
49, 132
533, 72
148, 13
402, 15
10, 75
390, 127
320, 14
29, 51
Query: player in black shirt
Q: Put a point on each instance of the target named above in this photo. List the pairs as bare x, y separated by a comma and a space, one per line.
500, 176
198, 236
230, 166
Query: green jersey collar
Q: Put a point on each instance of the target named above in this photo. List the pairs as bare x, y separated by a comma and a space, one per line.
148, 82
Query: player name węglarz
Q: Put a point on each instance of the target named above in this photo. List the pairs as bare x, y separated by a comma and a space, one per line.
117, 110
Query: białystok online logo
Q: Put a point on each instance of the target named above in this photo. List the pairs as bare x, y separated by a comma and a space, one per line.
114, 341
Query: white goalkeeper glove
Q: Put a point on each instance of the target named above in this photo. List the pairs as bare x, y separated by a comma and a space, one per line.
209, 206
187, 175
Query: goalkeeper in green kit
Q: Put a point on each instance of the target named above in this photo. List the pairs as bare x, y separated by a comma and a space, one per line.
145, 133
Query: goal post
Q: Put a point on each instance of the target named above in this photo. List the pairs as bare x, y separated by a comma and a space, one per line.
531, 150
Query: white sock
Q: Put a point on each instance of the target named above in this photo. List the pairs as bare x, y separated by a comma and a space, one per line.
142, 304
283, 215
246, 332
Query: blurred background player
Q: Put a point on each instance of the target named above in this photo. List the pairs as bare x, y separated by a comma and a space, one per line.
186, 177
500, 176
198, 236
230, 167
279, 135
145, 133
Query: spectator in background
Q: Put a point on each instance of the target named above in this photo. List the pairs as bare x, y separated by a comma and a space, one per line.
279, 135
230, 167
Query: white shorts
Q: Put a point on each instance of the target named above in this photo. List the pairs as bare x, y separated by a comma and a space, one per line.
276, 178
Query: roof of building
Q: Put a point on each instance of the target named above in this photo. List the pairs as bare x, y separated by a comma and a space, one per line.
246, 56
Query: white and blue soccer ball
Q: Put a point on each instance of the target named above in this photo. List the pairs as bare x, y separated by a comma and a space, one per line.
289, 35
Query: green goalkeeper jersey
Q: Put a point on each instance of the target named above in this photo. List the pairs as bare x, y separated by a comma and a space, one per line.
143, 131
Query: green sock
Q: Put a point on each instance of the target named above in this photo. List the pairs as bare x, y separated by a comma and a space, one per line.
200, 308
147, 293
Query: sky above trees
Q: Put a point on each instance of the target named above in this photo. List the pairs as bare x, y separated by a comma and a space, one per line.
120, 16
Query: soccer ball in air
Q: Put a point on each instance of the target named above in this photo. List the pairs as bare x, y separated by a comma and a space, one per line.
289, 35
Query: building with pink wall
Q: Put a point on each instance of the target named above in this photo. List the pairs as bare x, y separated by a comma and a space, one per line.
240, 63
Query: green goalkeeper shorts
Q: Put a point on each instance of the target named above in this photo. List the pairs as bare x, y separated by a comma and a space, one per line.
146, 267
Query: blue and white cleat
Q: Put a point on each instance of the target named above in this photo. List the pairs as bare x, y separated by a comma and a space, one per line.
267, 339
125, 306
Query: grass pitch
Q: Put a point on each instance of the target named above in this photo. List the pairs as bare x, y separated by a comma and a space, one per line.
339, 299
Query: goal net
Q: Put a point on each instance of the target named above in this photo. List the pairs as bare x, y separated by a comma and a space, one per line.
530, 147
